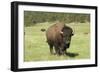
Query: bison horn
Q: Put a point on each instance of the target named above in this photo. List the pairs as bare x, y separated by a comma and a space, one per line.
61, 32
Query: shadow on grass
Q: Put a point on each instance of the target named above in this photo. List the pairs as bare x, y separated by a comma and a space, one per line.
71, 54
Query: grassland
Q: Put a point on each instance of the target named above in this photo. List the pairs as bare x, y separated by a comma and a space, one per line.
36, 48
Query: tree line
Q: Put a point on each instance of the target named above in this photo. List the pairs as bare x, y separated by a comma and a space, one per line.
33, 17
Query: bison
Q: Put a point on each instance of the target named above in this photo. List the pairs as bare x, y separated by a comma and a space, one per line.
59, 36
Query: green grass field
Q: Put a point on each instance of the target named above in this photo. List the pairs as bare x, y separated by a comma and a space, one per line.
36, 48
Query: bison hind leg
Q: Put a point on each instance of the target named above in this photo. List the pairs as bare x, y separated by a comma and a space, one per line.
51, 48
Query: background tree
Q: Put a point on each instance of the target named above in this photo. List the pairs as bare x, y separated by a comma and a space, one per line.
33, 17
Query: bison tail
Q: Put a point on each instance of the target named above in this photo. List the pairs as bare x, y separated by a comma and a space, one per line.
43, 30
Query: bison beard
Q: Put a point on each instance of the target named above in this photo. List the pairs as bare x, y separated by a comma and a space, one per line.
59, 37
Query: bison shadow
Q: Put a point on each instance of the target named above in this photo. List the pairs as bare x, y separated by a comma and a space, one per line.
71, 54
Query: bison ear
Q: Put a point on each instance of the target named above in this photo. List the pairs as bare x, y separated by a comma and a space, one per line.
72, 33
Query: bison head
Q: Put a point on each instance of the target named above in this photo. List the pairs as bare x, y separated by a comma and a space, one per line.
67, 33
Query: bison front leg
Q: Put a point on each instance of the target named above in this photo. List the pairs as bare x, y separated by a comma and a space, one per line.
64, 50
65, 47
57, 50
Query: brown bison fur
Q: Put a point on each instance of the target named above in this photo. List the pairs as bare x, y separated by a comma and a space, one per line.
55, 38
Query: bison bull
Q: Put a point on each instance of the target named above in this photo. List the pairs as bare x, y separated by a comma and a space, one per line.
59, 36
